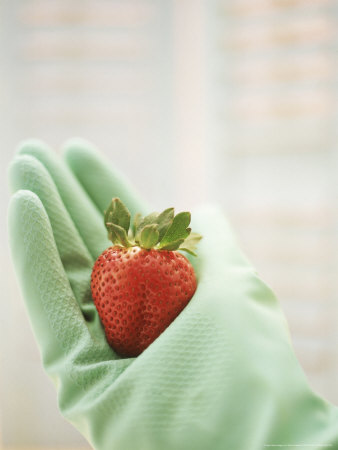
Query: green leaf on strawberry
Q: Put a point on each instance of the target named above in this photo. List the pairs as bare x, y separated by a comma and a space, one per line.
177, 230
143, 222
118, 235
189, 245
164, 220
118, 214
149, 236
161, 231
174, 245
136, 223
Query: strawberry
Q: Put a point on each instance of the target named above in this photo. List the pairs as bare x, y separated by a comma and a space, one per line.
141, 283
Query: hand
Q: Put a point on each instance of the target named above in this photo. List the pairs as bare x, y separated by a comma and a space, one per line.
223, 375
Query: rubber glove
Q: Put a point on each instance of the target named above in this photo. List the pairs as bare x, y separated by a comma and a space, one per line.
223, 375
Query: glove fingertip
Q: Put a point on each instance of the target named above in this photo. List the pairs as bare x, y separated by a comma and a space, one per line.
78, 153
32, 145
17, 169
78, 145
22, 204
24, 197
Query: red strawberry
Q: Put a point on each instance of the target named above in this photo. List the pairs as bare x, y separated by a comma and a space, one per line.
141, 284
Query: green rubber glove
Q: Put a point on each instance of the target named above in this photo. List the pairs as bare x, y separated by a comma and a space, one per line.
222, 376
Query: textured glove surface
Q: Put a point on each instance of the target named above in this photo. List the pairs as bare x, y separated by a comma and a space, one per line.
223, 375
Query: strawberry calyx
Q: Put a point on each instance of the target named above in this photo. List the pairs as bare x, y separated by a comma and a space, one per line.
161, 231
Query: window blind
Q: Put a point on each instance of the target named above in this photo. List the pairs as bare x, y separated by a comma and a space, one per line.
96, 69
273, 83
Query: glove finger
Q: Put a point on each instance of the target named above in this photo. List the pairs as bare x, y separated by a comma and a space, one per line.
99, 179
86, 217
55, 316
27, 173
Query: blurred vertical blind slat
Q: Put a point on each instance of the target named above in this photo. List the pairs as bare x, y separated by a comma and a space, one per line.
274, 77
94, 69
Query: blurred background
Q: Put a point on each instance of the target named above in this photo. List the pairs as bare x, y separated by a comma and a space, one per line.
235, 101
